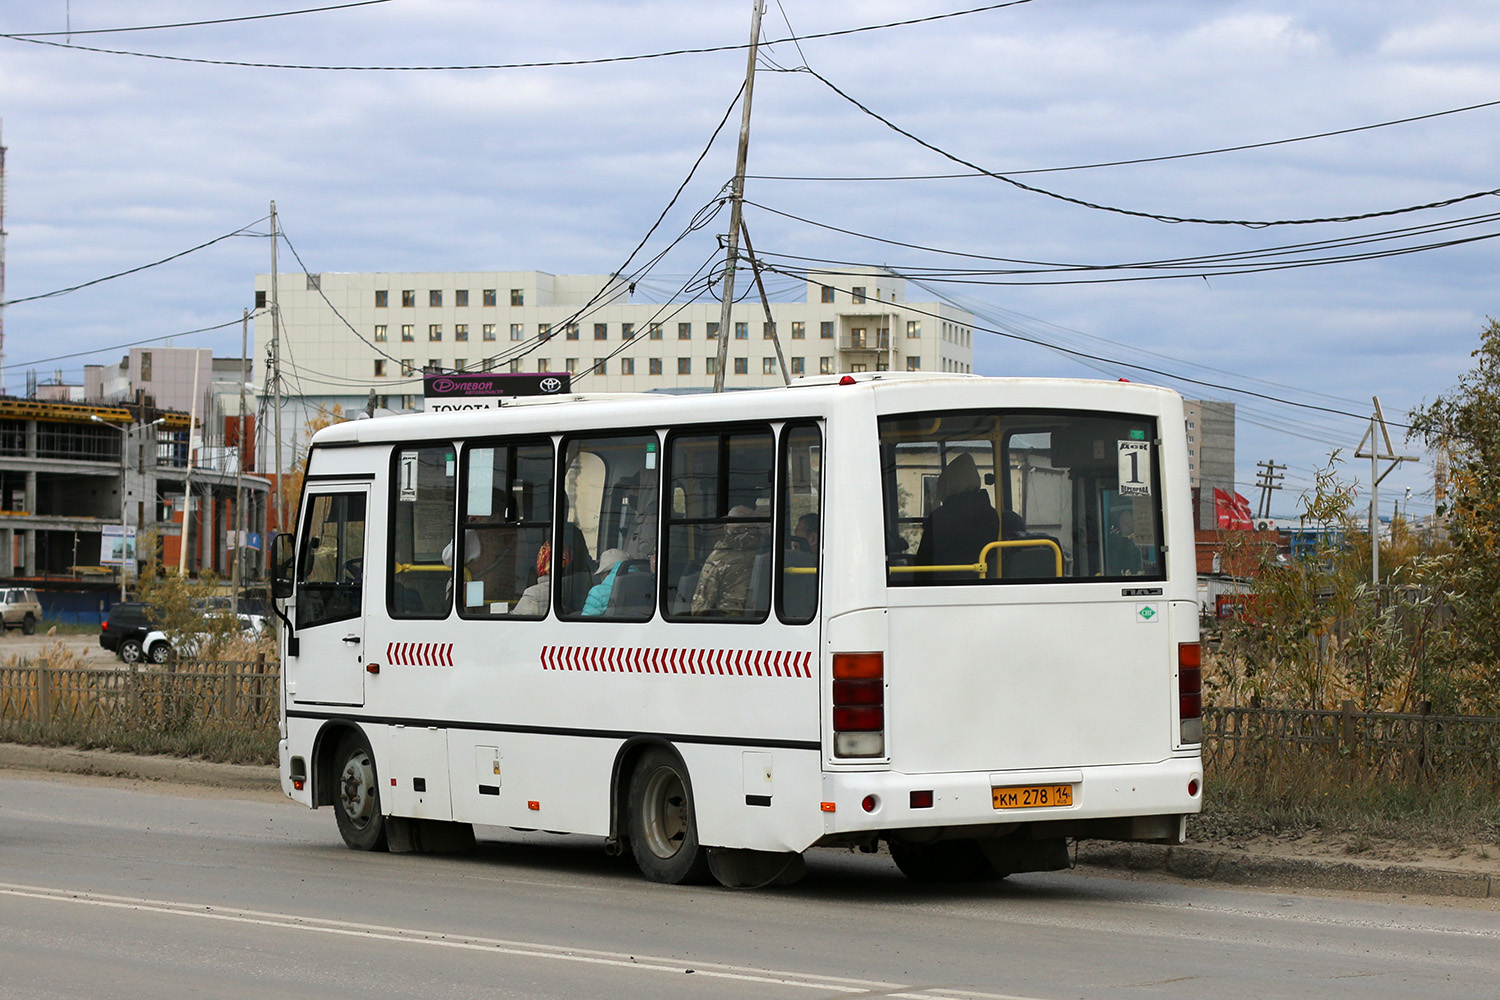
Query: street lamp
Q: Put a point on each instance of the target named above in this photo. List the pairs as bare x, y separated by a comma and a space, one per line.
124, 474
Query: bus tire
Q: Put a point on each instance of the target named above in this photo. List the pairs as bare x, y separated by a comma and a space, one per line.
663, 830
943, 861
356, 796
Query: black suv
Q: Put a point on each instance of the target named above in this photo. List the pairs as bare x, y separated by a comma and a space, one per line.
122, 633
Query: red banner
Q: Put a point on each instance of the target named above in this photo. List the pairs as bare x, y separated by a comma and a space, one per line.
1231, 513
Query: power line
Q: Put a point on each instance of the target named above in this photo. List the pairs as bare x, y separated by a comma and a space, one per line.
1134, 213
27, 35
134, 270
128, 345
1143, 159
549, 64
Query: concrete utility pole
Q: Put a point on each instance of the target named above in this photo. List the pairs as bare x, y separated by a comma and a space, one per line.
276, 373
239, 469
1369, 447
736, 199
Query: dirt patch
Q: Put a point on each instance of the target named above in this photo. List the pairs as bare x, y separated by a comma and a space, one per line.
1478, 858
84, 648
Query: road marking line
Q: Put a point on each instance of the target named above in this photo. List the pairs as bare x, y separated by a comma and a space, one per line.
502, 946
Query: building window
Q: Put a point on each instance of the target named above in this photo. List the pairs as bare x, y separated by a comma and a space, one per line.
435, 299
489, 296
799, 330
489, 364
655, 331
460, 331
713, 331
601, 331
515, 366
858, 368
408, 333
913, 364
857, 338
825, 366
711, 365
684, 331
517, 297
461, 298
857, 294
409, 298
768, 366
684, 366
517, 331
600, 366
827, 293
543, 364
379, 333
799, 366
825, 329
655, 366
570, 365
627, 366
914, 328
408, 367
434, 331
768, 331
460, 364
434, 365
742, 331
488, 331
742, 366
544, 331
382, 298
627, 331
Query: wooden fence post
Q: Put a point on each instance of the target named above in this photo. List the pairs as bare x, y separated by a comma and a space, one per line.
1346, 726
231, 694
44, 692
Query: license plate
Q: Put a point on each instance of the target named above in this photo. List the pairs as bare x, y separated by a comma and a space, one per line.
1032, 796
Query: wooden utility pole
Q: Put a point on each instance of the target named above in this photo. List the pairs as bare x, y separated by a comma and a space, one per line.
276, 374
736, 199
1370, 447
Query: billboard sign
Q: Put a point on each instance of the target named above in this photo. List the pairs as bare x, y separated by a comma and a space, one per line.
117, 546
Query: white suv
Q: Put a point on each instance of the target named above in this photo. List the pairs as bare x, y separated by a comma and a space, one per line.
20, 609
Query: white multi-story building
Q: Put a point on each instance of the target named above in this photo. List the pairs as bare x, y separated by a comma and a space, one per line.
346, 337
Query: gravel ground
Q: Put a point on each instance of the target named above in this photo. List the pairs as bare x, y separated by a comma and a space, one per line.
85, 647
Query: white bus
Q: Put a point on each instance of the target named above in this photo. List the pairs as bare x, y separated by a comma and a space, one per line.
951, 614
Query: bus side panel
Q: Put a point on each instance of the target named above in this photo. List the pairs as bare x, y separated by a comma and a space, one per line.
532, 781
758, 799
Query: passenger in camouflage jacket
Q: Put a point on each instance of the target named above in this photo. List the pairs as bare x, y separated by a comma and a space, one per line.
724, 582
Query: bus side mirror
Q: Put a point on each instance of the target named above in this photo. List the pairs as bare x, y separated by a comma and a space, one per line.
283, 579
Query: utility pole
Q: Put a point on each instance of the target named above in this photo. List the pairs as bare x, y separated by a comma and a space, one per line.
736, 199
1370, 447
239, 470
1269, 480
276, 374
765, 303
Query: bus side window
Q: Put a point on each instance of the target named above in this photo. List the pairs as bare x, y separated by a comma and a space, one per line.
507, 516
718, 550
611, 509
802, 522
425, 489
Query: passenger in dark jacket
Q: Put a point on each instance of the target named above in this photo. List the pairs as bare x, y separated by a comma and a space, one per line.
962, 524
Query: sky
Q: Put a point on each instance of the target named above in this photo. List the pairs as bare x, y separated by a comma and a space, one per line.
121, 159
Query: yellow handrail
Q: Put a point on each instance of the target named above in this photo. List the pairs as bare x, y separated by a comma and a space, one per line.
982, 566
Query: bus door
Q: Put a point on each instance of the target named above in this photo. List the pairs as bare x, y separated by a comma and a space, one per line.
329, 664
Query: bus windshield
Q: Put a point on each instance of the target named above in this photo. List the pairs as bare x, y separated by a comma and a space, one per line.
997, 497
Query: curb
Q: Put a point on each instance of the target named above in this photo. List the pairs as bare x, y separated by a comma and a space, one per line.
107, 764
1239, 868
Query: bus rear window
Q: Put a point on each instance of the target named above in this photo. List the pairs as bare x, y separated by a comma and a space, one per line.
1002, 497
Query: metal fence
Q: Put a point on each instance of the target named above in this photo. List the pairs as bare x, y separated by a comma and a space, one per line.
224, 693
1393, 743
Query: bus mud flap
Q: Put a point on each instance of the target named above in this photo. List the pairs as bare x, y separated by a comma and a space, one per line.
736, 868
427, 836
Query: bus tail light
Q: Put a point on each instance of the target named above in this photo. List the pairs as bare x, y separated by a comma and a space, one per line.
858, 705
1190, 691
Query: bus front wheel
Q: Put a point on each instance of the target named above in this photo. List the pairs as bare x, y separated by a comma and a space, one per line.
663, 831
356, 797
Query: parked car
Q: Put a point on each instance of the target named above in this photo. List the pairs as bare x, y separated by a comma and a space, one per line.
124, 631
20, 609
157, 648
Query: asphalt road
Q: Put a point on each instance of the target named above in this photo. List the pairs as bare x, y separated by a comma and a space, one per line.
111, 890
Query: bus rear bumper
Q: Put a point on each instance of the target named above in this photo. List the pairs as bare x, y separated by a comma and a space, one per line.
1143, 802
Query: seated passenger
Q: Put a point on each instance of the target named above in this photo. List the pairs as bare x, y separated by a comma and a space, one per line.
1120, 549
611, 561
723, 588
805, 535
533, 603
963, 523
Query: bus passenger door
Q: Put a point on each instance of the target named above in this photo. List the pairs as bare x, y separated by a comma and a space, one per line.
329, 665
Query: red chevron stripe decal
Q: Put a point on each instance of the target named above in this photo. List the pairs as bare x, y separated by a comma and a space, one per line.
697, 661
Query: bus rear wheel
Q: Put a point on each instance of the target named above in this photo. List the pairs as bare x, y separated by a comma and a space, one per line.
943, 861
356, 796
663, 831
